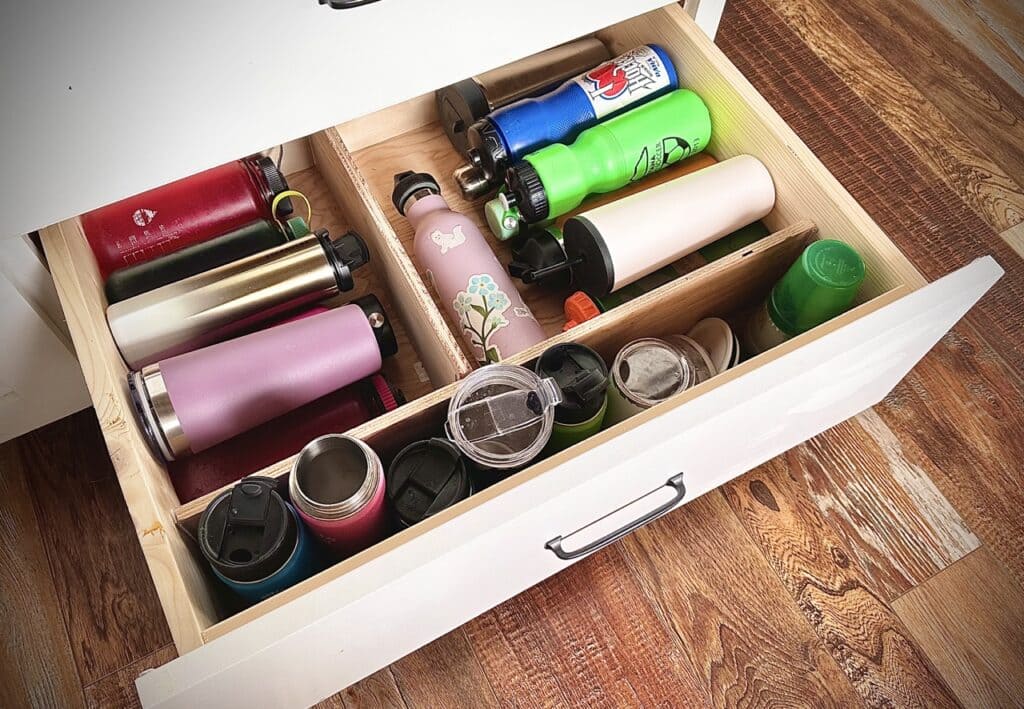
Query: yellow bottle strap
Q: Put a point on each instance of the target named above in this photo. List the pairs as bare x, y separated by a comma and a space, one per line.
292, 193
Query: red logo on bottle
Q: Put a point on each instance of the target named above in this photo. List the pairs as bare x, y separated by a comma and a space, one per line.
609, 80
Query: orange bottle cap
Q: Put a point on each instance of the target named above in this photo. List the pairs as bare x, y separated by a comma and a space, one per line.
579, 307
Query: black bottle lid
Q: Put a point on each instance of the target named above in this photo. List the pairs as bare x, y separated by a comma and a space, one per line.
248, 532
592, 269
581, 375
425, 478
528, 191
275, 183
346, 254
459, 106
380, 324
487, 149
409, 183
538, 256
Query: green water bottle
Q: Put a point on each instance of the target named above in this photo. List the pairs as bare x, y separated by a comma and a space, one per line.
556, 179
819, 286
582, 378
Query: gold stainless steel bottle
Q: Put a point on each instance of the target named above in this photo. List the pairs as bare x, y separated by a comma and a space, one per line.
222, 302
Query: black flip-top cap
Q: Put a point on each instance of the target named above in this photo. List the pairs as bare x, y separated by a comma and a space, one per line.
275, 183
248, 532
346, 254
460, 106
582, 377
528, 191
409, 183
487, 149
380, 324
536, 252
425, 478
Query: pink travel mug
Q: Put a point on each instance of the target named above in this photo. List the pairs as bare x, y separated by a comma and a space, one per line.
337, 486
196, 400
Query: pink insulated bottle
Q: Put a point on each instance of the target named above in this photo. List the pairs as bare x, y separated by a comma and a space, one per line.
196, 400
473, 286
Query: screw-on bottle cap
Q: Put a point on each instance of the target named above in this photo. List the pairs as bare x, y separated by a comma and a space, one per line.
346, 254
525, 185
378, 319
295, 228
247, 533
502, 217
425, 478
409, 183
579, 307
487, 149
581, 376
819, 286
276, 183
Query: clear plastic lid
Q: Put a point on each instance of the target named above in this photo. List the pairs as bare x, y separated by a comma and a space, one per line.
501, 415
649, 371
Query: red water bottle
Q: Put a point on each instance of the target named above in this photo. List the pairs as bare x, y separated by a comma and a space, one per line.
185, 212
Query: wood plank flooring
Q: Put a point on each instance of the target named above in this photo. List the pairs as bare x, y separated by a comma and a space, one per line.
879, 564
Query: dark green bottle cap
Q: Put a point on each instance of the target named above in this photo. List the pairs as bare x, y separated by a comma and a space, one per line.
820, 285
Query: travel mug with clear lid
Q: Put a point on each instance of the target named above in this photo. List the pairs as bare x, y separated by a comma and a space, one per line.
501, 416
648, 371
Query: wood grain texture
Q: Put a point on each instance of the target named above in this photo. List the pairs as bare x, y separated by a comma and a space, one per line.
832, 589
1014, 236
924, 217
445, 673
985, 41
940, 66
960, 414
37, 666
947, 148
586, 637
378, 691
898, 525
970, 621
107, 598
737, 624
118, 688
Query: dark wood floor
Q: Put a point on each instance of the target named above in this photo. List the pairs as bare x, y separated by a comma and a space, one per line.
880, 563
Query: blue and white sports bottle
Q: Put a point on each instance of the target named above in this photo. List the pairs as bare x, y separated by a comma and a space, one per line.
511, 132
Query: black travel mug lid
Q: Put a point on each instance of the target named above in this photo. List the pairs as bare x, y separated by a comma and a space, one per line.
425, 478
527, 190
276, 183
538, 257
378, 319
459, 106
248, 532
582, 377
409, 183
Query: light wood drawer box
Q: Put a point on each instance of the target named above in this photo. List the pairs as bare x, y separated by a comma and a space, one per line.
359, 615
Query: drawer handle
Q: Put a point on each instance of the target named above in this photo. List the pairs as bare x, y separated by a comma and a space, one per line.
345, 4
675, 482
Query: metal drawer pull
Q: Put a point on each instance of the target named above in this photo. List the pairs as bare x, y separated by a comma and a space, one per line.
345, 4
675, 482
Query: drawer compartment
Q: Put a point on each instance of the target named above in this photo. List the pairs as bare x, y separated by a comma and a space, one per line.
489, 547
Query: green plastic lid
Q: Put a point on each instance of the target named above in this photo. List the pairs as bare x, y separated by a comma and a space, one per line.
502, 218
820, 285
296, 228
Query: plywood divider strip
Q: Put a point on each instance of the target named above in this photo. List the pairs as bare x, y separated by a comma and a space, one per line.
719, 287
744, 123
441, 353
394, 120
179, 579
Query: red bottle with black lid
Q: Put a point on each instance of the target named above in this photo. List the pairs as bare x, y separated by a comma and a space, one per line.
185, 212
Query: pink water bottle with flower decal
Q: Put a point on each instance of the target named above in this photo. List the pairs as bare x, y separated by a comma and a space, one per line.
472, 284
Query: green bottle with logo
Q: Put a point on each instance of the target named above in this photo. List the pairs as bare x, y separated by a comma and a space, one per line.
556, 179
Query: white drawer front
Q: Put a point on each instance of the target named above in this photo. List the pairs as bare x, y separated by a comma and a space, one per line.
352, 626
